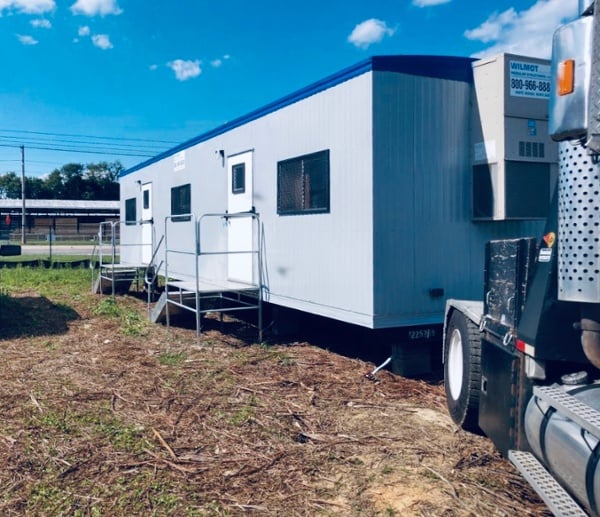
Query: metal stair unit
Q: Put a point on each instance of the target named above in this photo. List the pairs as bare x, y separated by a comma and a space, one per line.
114, 276
199, 289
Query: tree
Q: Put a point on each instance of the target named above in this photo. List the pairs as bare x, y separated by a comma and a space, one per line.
35, 188
73, 182
94, 181
10, 186
54, 185
102, 180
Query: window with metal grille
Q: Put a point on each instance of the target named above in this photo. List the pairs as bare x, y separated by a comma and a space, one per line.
130, 211
181, 202
303, 184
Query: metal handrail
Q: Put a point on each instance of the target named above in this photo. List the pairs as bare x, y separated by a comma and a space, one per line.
199, 252
109, 229
100, 246
92, 257
171, 219
240, 215
150, 282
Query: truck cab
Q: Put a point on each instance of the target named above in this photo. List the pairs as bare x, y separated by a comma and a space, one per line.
522, 365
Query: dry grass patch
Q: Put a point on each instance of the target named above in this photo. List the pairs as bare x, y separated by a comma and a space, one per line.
106, 414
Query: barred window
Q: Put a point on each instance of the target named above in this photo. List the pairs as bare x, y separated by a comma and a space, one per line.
303, 184
181, 202
130, 211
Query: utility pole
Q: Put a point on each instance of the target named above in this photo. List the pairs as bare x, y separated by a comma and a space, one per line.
23, 212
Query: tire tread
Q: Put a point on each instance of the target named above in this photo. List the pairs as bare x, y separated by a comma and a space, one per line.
465, 411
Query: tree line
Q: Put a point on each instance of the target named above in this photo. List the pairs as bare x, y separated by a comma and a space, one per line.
94, 181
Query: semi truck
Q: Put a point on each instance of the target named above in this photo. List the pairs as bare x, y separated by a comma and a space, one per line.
522, 366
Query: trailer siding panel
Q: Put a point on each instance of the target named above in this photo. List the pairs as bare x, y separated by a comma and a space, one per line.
422, 200
321, 263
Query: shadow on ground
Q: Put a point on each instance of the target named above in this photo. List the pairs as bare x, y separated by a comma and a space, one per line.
291, 327
33, 316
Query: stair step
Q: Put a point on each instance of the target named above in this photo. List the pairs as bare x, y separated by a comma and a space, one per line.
557, 499
158, 310
570, 407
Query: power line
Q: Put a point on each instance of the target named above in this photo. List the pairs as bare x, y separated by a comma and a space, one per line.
93, 145
81, 140
23, 131
114, 147
83, 151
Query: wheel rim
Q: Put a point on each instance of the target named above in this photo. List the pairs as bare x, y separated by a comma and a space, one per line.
454, 364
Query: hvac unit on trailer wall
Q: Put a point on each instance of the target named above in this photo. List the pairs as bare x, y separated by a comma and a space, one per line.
514, 158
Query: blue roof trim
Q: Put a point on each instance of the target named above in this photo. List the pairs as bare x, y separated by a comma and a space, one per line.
441, 67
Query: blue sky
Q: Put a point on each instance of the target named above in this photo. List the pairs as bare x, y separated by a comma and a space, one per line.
131, 78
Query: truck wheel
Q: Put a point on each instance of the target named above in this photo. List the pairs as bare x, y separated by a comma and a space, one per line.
462, 371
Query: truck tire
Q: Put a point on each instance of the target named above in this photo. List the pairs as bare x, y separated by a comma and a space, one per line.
462, 371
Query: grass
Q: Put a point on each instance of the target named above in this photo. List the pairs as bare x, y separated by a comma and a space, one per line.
43, 256
130, 321
48, 282
170, 358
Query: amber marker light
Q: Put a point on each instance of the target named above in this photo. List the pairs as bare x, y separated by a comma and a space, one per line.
566, 77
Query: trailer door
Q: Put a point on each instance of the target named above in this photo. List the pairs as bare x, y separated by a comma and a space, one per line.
147, 223
240, 199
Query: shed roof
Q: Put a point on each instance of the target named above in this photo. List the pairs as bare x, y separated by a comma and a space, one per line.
60, 206
440, 67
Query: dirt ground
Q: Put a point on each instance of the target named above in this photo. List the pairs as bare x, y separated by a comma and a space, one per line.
104, 413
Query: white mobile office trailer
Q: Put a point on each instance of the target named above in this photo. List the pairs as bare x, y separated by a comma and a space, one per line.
376, 188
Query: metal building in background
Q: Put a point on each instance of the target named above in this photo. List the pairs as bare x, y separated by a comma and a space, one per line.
65, 219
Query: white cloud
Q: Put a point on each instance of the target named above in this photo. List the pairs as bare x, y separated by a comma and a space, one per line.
27, 40
185, 70
153, 67
96, 7
494, 27
28, 6
369, 32
41, 23
216, 63
527, 32
102, 41
427, 3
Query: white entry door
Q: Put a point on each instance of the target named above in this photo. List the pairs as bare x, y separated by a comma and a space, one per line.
239, 233
147, 224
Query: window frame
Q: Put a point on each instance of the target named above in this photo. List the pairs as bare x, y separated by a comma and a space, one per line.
180, 207
235, 187
145, 199
304, 182
128, 206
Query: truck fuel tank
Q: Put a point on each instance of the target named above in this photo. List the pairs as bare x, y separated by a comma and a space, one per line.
569, 451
